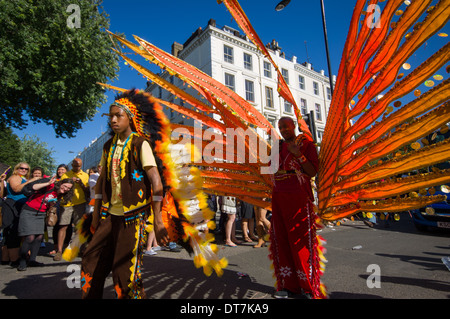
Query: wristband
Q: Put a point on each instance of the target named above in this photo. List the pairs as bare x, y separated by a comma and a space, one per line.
98, 196
157, 198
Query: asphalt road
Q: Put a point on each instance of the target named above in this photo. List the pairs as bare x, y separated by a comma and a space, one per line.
403, 264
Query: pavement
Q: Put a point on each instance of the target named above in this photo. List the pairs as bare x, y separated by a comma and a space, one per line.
409, 267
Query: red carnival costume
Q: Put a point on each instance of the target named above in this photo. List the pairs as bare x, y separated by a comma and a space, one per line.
294, 245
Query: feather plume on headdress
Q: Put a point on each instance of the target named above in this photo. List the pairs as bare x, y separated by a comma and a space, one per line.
186, 215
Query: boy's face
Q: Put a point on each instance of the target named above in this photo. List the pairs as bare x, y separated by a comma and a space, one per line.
118, 119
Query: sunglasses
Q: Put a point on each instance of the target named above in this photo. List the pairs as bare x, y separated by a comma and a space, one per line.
25, 168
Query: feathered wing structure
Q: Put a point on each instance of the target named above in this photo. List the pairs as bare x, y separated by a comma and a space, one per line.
366, 146
233, 167
371, 142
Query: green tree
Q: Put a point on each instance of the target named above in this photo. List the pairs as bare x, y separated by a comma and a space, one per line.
10, 147
36, 153
52, 53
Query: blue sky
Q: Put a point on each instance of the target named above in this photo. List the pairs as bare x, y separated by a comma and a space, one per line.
163, 22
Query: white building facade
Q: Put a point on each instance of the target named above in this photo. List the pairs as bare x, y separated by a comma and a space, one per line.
231, 58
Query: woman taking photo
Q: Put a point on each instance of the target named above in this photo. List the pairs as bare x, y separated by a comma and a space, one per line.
32, 217
10, 211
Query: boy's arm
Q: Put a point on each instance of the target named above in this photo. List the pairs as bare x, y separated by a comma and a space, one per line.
161, 234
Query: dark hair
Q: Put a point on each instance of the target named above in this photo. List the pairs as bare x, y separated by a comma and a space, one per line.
59, 166
37, 168
94, 169
65, 198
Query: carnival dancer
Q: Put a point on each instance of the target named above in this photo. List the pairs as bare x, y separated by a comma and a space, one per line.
294, 246
131, 182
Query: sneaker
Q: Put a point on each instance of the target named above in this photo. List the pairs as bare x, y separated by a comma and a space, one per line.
173, 247
281, 294
150, 252
22, 268
157, 248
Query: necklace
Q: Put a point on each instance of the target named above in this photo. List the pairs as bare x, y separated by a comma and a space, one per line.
116, 139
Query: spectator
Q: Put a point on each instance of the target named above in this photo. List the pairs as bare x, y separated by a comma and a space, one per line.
32, 217
262, 226
248, 222
74, 210
152, 244
228, 206
37, 172
60, 171
2, 185
10, 212
93, 177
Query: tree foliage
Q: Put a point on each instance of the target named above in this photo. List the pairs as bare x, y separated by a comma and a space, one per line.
36, 153
49, 67
29, 149
10, 146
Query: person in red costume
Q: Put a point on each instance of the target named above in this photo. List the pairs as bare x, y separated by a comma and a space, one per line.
294, 245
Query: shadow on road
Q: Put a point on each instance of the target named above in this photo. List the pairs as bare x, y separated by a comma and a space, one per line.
175, 278
164, 278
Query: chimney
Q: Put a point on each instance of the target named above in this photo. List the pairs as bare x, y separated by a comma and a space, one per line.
176, 48
212, 22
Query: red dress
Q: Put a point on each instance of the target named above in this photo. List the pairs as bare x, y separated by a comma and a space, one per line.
295, 248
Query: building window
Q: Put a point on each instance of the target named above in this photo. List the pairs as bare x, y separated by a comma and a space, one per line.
272, 121
328, 93
303, 107
249, 91
319, 136
316, 88
248, 61
318, 112
228, 54
267, 70
287, 107
285, 75
229, 81
301, 81
269, 97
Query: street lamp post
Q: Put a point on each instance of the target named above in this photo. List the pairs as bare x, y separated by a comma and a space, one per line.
326, 46
280, 6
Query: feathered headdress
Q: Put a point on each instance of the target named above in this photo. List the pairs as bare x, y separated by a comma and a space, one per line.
186, 215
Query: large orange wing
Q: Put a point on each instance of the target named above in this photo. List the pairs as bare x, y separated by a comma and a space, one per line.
386, 144
377, 155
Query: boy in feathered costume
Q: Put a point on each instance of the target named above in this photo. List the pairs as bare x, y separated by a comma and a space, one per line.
132, 182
